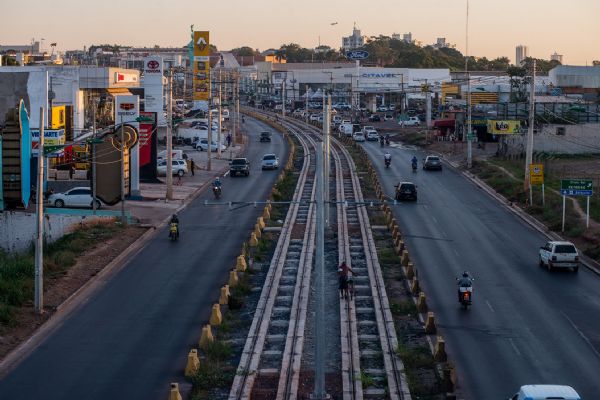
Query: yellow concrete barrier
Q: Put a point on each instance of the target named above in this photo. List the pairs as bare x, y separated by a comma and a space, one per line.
410, 270
193, 363
257, 231
174, 392
414, 287
253, 240
266, 213
240, 264
439, 354
206, 337
224, 297
215, 316
422, 303
405, 258
261, 222
233, 279
430, 327
399, 247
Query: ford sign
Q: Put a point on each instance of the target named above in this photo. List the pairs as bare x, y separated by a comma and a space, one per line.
357, 54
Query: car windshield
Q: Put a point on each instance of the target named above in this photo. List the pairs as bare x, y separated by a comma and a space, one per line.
407, 186
433, 158
565, 248
269, 157
238, 161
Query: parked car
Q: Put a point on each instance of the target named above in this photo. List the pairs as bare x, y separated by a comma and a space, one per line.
315, 117
382, 108
544, 392
388, 117
179, 167
358, 137
432, 162
76, 197
270, 161
555, 254
265, 136
411, 121
375, 118
202, 145
406, 191
239, 166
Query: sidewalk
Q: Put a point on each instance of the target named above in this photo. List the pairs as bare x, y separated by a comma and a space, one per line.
154, 208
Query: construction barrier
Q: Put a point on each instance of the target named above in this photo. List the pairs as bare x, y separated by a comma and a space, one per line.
233, 279
410, 271
193, 363
422, 303
253, 240
440, 350
405, 258
174, 392
206, 337
240, 264
224, 297
430, 327
414, 287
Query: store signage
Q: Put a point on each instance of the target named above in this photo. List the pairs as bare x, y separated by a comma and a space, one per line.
125, 77
378, 75
357, 54
201, 66
153, 66
504, 127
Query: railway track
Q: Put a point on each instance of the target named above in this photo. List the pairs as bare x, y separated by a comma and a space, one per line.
370, 367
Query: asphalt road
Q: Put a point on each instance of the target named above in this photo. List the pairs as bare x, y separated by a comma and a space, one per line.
131, 339
526, 325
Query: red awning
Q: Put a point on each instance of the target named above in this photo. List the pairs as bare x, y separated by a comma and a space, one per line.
444, 123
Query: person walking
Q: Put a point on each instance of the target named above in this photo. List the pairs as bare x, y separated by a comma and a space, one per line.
343, 279
228, 139
192, 166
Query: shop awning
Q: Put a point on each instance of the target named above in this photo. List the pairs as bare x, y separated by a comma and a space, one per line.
444, 123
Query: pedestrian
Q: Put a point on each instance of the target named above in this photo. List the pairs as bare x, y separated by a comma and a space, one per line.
228, 139
178, 180
343, 279
192, 166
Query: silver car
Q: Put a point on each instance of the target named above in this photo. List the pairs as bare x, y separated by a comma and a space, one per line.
76, 197
270, 161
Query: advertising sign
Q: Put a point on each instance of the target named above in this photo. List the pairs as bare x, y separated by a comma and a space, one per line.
127, 108
357, 54
25, 153
145, 137
536, 174
576, 187
504, 127
201, 66
153, 86
58, 117
52, 137
126, 77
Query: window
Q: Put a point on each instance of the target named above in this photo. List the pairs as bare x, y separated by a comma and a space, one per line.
565, 248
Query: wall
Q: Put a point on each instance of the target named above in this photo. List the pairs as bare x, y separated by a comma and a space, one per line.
18, 229
27, 83
578, 139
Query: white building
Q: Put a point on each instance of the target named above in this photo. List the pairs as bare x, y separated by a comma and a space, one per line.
556, 57
440, 43
353, 41
407, 37
522, 52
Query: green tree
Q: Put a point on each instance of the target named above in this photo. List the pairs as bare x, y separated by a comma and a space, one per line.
244, 51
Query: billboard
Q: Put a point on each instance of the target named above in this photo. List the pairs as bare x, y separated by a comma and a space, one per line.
148, 147
127, 110
52, 137
153, 86
201, 67
503, 127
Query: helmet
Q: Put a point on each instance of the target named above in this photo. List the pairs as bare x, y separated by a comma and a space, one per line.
465, 274
217, 179
174, 216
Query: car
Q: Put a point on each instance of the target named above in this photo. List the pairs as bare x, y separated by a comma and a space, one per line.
388, 117
265, 136
76, 197
558, 254
346, 128
337, 119
411, 121
432, 162
239, 166
372, 135
202, 145
406, 191
270, 161
367, 128
358, 137
545, 392
375, 118
382, 108
179, 167
315, 117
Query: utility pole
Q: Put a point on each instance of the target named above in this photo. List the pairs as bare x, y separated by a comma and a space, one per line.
529, 150
306, 106
220, 117
327, 137
237, 105
39, 243
169, 136
123, 219
283, 99
94, 205
469, 128
209, 134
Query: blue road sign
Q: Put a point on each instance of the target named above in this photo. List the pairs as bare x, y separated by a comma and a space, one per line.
357, 54
576, 187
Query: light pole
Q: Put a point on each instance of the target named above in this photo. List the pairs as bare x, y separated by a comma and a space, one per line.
39, 243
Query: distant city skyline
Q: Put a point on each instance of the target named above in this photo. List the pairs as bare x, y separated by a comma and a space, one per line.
495, 28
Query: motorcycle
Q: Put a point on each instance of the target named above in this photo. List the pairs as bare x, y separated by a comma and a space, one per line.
466, 296
387, 141
387, 162
414, 167
243, 119
173, 232
381, 142
217, 192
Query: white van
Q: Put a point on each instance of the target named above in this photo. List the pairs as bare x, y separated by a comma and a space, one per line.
346, 129
175, 154
544, 392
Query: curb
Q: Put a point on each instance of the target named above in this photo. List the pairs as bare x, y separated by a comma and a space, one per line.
86, 291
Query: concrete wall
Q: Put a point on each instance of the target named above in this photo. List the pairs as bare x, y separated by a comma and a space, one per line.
577, 139
31, 85
18, 229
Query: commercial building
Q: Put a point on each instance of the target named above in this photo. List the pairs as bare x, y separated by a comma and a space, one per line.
556, 57
354, 41
522, 52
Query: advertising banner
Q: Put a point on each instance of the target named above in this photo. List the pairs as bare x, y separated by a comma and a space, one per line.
52, 137
153, 86
201, 67
127, 110
145, 137
503, 127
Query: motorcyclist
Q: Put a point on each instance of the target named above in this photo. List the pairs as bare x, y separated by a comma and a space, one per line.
414, 162
464, 281
381, 141
217, 182
243, 119
387, 139
175, 225
387, 158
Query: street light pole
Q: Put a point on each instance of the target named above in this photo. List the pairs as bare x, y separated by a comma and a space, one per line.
220, 118
123, 219
169, 195
529, 150
94, 206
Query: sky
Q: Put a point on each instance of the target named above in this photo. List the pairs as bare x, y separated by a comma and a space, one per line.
569, 27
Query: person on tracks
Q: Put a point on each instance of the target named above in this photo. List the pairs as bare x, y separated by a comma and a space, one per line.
344, 280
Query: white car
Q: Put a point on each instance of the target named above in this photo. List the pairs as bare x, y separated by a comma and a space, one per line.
556, 254
76, 197
358, 137
179, 167
270, 161
382, 109
412, 121
372, 135
315, 117
202, 145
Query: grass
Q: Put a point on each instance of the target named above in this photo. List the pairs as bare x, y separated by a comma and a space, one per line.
403, 308
17, 270
366, 379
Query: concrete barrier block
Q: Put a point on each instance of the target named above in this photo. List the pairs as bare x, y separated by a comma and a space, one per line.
266, 213
439, 354
405, 259
206, 337
193, 363
257, 232
422, 303
233, 279
430, 327
224, 297
414, 287
215, 316
240, 264
253, 240
63, 175
174, 392
261, 222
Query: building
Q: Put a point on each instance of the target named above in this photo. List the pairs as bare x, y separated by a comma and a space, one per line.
396, 36
354, 41
440, 43
407, 38
522, 52
556, 57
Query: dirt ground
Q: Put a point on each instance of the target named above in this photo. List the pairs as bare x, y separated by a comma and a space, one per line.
58, 289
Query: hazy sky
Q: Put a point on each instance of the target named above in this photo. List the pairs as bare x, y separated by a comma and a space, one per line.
570, 27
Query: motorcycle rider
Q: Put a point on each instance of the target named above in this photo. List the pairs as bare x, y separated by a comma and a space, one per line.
387, 158
464, 281
175, 224
217, 186
387, 139
414, 162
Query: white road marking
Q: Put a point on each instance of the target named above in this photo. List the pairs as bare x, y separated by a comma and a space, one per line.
444, 233
490, 306
581, 334
434, 219
225, 174
512, 343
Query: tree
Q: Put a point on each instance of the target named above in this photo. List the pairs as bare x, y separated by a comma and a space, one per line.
244, 51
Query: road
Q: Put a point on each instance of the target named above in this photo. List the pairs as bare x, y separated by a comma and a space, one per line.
527, 325
132, 337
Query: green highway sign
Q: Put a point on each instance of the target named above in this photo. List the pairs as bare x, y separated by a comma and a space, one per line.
53, 148
576, 187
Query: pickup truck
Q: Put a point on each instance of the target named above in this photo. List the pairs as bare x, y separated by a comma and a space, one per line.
559, 255
239, 166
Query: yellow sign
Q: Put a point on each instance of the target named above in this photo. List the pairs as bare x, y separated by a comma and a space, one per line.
503, 127
536, 174
201, 66
58, 117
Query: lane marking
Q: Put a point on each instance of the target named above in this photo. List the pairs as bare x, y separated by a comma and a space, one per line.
434, 219
581, 334
512, 343
490, 306
225, 174
456, 252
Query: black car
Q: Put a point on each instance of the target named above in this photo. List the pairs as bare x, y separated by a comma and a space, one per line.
406, 191
265, 136
239, 166
432, 162
375, 118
